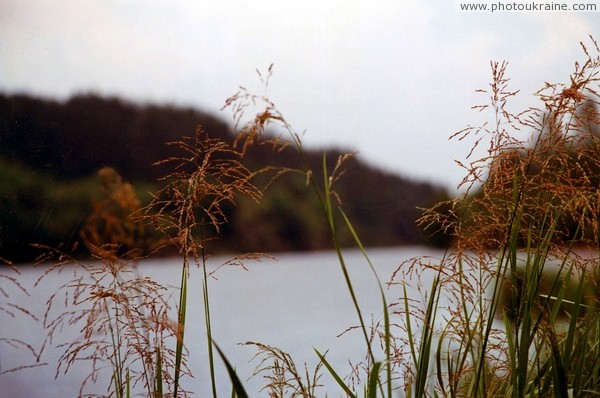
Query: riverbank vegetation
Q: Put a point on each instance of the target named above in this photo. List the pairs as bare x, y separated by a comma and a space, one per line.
523, 276
512, 308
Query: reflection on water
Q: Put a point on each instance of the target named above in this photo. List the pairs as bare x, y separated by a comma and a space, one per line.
297, 302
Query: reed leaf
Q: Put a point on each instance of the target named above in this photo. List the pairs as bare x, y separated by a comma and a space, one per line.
158, 381
181, 318
335, 375
238, 387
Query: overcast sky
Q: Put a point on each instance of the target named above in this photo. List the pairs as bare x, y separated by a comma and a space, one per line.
391, 79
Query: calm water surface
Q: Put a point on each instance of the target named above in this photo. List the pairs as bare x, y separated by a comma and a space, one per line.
297, 302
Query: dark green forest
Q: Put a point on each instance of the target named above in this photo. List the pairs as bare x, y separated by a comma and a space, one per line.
51, 152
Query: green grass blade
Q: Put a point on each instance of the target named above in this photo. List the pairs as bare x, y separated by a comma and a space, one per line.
180, 327
569, 342
427, 340
158, 383
335, 376
128, 385
386, 315
373, 380
409, 331
237, 385
559, 373
510, 341
328, 209
208, 324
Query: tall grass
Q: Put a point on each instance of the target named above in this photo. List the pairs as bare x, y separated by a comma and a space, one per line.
128, 331
330, 203
527, 233
189, 210
510, 309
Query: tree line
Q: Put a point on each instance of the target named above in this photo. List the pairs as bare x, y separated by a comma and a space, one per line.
51, 151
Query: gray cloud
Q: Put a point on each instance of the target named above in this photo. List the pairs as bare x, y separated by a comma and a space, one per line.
391, 79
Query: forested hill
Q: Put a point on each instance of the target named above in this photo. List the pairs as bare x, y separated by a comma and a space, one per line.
50, 153
74, 138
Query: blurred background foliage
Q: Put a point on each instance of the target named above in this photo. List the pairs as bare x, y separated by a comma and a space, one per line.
51, 153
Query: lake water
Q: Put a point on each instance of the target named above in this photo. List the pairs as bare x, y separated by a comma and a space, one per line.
298, 302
